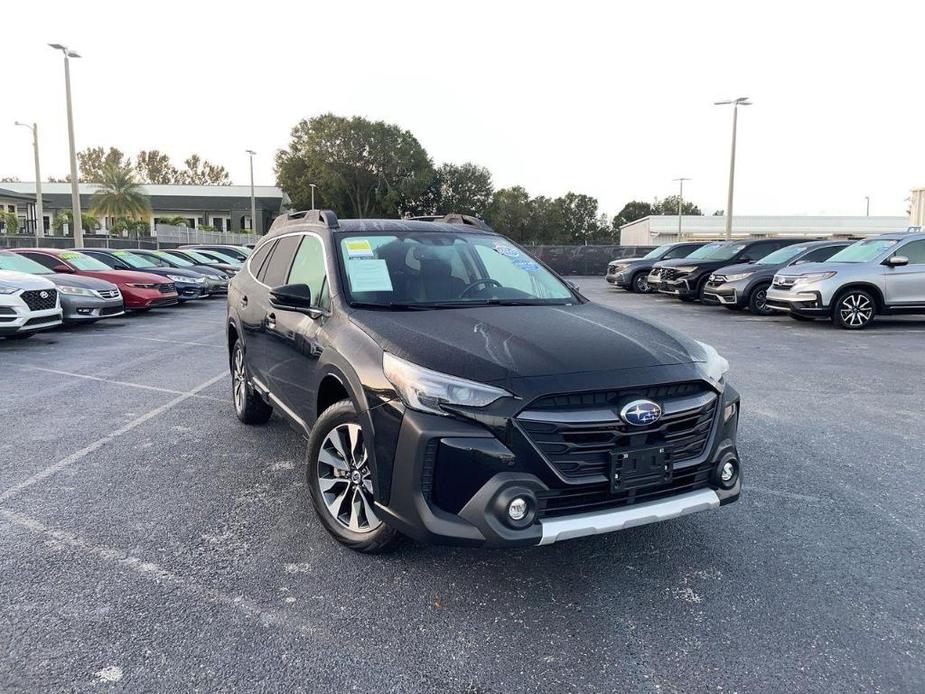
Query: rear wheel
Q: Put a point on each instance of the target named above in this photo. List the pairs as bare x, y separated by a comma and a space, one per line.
248, 405
854, 310
758, 301
340, 482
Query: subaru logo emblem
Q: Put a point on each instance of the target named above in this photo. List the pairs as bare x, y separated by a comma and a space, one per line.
44, 295
639, 413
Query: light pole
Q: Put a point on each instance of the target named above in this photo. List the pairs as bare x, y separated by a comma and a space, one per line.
39, 209
680, 182
75, 190
867, 213
312, 186
741, 101
253, 199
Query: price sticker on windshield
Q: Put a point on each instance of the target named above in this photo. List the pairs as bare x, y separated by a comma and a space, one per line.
506, 250
359, 248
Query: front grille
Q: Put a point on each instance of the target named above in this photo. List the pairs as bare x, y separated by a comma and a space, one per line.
577, 433
785, 283
40, 299
167, 288
108, 293
656, 272
669, 273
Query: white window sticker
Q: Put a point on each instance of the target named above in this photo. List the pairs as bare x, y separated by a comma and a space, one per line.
369, 275
359, 248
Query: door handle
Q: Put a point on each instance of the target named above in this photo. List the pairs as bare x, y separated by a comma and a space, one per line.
271, 320
243, 302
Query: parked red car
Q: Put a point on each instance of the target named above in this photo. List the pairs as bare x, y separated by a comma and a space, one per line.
140, 290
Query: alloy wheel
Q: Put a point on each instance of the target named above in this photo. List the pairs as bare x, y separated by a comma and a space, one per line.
856, 310
641, 284
344, 479
760, 301
238, 380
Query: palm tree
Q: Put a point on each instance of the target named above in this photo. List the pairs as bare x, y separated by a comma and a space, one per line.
119, 194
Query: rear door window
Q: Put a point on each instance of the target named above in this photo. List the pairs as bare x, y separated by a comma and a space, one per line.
258, 260
277, 267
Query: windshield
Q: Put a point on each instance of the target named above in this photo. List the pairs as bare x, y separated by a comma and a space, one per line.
434, 269
725, 252
172, 260
782, 255
136, 261
658, 252
705, 251
862, 251
83, 262
198, 257
239, 253
220, 257
20, 263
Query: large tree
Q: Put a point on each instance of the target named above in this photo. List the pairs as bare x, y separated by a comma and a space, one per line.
93, 160
464, 188
201, 172
670, 206
510, 213
361, 168
119, 194
155, 167
633, 210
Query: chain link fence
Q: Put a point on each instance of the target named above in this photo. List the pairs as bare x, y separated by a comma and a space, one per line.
166, 236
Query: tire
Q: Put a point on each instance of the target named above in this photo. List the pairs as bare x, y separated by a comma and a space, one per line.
248, 405
803, 319
757, 300
340, 482
854, 309
640, 284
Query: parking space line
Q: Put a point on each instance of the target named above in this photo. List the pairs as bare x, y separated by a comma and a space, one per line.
157, 339
153, 572
99, 443
126, 383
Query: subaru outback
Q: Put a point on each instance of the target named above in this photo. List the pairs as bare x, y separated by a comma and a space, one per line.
455, 390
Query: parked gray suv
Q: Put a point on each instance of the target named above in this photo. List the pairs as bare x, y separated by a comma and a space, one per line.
880, 275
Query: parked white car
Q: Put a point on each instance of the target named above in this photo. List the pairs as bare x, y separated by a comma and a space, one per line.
28, 304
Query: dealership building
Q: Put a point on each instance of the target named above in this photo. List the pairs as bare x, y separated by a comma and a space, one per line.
224, 208
656, 230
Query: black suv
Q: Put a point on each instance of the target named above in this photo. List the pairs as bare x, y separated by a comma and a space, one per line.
746, 285
456, 390
633, 273
686, 278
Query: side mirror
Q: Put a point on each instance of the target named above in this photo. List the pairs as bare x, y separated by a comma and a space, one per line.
294, 297
66, 269
896, 261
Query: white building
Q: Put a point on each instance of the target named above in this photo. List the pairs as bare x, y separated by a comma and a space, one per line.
656, 230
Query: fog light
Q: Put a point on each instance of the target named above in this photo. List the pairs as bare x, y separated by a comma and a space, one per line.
729, 472
729, 412
517, 509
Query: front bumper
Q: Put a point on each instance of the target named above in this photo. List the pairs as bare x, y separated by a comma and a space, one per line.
617, 278
487, 474
803, 302
87, 308
726, 294
16, 319
190, 292
140, 298
682, 286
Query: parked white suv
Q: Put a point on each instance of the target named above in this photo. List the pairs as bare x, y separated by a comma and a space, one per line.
27, 304
880, 275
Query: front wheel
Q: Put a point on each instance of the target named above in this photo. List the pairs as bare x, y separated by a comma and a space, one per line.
854, 310
640, 284
758, 301
340, 482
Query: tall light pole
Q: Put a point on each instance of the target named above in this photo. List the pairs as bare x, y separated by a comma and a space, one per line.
741, 101
253, 199
312, 186
680, 182
867, 198
75, 189
39, 208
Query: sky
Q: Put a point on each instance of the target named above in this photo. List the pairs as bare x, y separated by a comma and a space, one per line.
613, 100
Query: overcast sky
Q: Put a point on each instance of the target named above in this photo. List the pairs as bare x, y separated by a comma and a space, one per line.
612, 101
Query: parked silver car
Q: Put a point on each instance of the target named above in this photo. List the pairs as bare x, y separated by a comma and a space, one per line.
880, 275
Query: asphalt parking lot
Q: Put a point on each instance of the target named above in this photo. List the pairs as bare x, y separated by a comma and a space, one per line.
150, 542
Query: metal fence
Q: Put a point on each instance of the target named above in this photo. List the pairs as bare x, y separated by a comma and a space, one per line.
584, 260
167, 236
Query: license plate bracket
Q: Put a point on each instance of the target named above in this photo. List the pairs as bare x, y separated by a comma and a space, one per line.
640, 468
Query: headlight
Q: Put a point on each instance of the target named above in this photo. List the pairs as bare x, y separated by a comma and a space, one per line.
77, 291
8, 290
717, 366
684, 269
814, 277
617, 268
425, 390
738, 276
179, 278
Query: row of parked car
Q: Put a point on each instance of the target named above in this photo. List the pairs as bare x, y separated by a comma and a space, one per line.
848, 282
41, 288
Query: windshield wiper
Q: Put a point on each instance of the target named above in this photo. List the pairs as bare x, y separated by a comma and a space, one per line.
393, 306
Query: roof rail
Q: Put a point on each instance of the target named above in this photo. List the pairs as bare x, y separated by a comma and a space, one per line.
326, 218
454, 218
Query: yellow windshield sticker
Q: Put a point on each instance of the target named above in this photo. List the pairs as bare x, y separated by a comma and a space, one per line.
359, 248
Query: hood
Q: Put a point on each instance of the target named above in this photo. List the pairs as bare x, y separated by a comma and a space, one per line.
178, 271
23, 280
807, 268
618, 261
68, 280
493, 343
121, 277
748, 267
211, 272
698, 262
